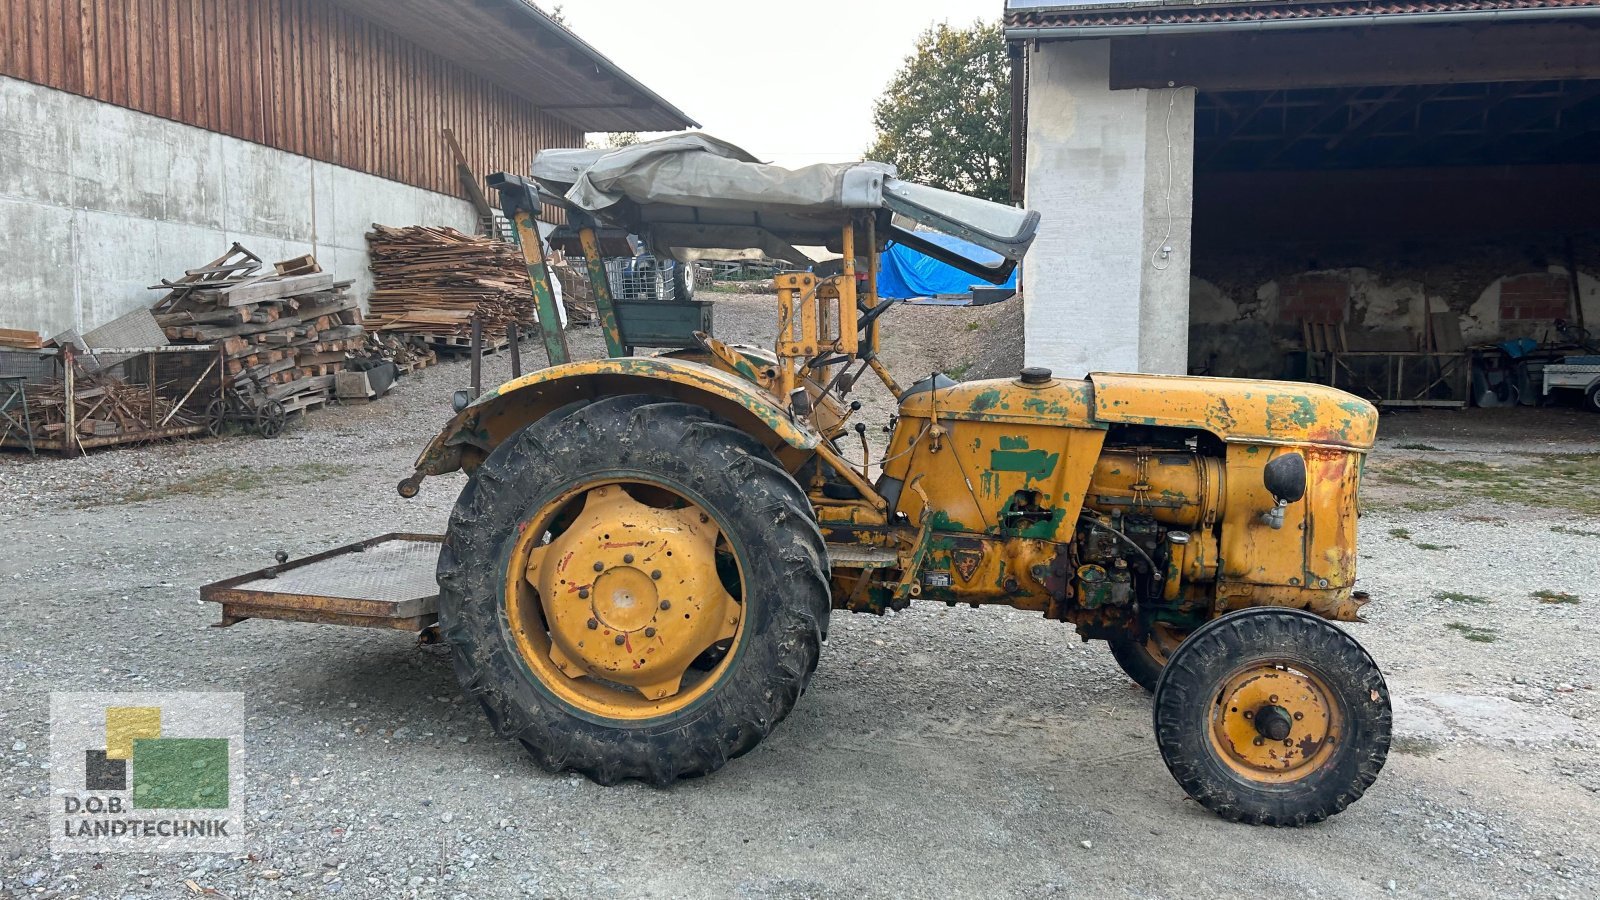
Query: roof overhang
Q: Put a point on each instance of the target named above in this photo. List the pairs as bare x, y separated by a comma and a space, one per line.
517, 46
1053, 20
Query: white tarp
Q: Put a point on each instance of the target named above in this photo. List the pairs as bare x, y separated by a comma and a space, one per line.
697, 170
700, 197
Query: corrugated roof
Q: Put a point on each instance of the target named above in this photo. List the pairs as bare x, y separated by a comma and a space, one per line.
1027, 14
517, 46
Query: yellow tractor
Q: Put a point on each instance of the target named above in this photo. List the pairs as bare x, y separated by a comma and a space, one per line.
637, 578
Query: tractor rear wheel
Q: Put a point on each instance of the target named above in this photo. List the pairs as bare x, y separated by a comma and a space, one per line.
1144, 656
633, 589
1272, 717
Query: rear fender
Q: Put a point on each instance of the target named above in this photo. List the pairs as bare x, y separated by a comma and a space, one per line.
472, 434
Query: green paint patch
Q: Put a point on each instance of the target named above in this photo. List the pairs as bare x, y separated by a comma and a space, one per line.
180, 773
1560, 598
1403, 534
1475, 633
1458, 597
1037, 465
1013, 443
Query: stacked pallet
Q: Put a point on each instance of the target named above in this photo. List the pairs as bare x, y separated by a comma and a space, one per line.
285, 334
433, 281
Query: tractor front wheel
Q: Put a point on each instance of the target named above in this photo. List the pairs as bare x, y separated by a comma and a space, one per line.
633, 589
1144, 656
1272, 717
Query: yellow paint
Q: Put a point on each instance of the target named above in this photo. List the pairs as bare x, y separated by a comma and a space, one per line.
1316, 724
126, 724
1236, 409
611, 612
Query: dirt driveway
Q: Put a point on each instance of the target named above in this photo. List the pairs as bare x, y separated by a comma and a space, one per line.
939, 752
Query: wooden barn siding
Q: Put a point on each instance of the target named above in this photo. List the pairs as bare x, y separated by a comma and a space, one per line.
299, 75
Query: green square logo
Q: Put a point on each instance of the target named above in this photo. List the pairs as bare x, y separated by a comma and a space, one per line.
180, 773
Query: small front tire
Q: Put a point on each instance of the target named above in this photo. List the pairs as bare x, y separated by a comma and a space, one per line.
1272, 717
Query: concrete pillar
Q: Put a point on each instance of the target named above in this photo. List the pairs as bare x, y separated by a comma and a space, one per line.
1106, 284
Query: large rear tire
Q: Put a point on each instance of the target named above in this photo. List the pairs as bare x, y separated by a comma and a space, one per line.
633, 589
1272, 717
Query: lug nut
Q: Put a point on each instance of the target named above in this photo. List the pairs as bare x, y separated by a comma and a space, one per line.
599, 566
621, 639
1298, 716
1259, 742
583, 593
655, 574
627, 558
666, 604
649, 632
593, 624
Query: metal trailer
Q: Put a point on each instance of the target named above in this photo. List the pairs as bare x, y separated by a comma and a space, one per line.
1583, 377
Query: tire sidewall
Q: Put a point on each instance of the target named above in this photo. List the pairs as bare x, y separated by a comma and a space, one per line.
1359, 692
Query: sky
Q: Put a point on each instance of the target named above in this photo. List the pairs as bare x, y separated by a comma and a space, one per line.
792, 82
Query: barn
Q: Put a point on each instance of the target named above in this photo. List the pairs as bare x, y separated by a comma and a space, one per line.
139, 138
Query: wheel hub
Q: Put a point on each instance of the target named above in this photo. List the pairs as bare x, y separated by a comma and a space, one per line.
631, 593
1273, 723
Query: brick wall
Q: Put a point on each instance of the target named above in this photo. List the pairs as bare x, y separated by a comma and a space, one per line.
1540, 295
1314, 298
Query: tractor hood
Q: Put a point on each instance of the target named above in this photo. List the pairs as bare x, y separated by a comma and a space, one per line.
697, 197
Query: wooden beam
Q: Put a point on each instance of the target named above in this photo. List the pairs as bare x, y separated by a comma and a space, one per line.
1339, 101
1506, 130
1238, 124
1350, 57
1377, 118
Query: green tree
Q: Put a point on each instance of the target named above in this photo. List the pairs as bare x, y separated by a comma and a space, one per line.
945, 119
615, 140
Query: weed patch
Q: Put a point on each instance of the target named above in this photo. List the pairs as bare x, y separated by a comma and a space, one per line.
1569, 481
1474, 633
1403, 534
1561, 598
224, 481
1458, 597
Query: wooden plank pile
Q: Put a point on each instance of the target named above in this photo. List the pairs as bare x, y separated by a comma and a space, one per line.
106, 407
20, 339
285, 334
432, 281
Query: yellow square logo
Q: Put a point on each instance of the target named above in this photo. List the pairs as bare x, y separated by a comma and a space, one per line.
126, 724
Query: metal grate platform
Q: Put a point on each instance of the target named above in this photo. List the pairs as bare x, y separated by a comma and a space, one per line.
383, 582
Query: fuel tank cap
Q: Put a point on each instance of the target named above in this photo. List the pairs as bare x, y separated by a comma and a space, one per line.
1035, 375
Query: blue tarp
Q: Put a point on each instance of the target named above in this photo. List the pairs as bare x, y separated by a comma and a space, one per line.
904, 273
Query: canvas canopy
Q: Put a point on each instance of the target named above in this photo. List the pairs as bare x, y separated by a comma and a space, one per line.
693, 196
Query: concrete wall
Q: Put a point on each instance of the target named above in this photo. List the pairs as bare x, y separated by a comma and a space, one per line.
1106, 284
98, 202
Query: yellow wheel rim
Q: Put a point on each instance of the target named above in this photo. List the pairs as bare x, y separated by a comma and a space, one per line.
1274, 723
616, 601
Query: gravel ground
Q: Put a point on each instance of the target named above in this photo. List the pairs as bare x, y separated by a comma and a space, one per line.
939, 752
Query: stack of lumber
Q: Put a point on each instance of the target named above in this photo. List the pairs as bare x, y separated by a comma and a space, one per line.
432, 281
21, 340
285, 334
408, 352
